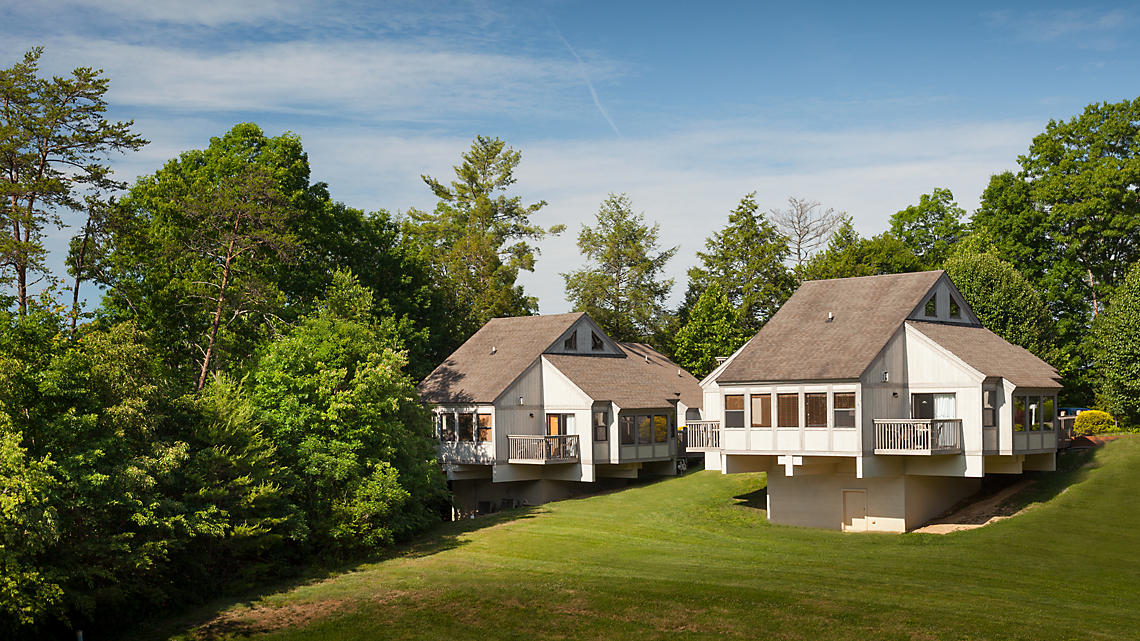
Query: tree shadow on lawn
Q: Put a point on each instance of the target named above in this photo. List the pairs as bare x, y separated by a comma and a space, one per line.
204, 621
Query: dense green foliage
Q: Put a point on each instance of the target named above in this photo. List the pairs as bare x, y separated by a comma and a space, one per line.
714, 328
1070, 220
695, 558
1093, 422
847, 255
746, 260
931, 227
1004, 300
622, 287
1116, 340
480, 237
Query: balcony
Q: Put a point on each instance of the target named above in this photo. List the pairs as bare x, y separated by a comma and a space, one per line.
916, 436
465, 453
543, 450
702, 436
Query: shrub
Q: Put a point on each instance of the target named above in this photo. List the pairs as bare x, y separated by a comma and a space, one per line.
1094, 422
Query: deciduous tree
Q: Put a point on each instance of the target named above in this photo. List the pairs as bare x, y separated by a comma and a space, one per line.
931, 227
849, 255
1116, 342
714, 328
806, 225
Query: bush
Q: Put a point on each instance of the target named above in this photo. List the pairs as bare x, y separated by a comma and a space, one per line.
1094, 422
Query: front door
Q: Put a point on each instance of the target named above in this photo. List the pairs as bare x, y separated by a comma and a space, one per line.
854, 510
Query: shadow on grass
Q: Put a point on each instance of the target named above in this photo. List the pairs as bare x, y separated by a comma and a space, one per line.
757, 500
207, 621
1073, 467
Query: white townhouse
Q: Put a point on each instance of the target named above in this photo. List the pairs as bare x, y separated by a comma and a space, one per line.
539, 408
877, 403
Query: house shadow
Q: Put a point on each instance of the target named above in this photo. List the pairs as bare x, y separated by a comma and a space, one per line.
757, 500
208, 621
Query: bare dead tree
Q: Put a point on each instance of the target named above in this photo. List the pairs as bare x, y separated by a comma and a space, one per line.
806, 225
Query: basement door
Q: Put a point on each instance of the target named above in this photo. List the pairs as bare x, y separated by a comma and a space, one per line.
854, 510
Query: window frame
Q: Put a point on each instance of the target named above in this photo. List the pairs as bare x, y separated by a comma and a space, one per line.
989, 414
627, 429
484, 433
596, 342
601, 429
660, 428
644, 429
814, 397
848, 411
930, 307
780, 398
571, 342
765, 410
737, 413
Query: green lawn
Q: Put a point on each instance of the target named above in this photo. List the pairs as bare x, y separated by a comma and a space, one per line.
693, 557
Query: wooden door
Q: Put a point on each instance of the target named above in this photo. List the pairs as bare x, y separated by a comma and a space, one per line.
555, 426
854, 510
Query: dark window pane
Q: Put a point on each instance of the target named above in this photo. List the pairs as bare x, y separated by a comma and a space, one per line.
601, 426
660, 429
845, 400
1048, 413
922, 405
467, 427
449, 427
931, 308
596, 342
571, 342
788, 410
734, 410
815, 410
644, 430
955, 310
628, 435
762, 410
1033, 416
484, 428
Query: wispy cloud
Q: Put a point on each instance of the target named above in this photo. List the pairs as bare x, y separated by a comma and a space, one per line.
586, 77
1086, 28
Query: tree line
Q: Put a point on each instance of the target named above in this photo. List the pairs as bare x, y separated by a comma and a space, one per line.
241, 400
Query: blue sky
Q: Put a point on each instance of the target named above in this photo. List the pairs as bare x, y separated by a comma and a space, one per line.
686, 108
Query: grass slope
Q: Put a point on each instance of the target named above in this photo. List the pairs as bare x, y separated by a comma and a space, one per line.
694, 557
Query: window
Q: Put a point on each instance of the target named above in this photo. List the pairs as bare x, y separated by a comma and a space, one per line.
571, 342
931, 309
1019, 413
628, 436
601, 426
989, 408
955, 310
556, 424
596, 342
484, 428
1033, 416
788, 410
815, 409
1048, 413
734, 410
845, 409
930, 406
660, 428
644, 430
762, 410
448, 433
467, 427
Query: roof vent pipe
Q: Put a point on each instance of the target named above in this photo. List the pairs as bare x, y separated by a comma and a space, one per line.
830, 317
494, 349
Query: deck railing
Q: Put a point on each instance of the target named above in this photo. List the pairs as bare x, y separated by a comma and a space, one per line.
543, 449
918, 436
702, 435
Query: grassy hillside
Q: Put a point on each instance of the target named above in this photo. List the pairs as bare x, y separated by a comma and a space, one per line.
694, 557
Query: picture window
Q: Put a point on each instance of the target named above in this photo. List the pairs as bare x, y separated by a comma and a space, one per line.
762, 410
844, 409
788, 410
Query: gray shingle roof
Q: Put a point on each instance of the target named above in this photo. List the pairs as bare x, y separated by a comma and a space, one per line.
798, 343
631, 382
990, 354
473, 374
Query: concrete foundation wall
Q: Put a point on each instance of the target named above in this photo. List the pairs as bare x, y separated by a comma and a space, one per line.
893, 504
468, 494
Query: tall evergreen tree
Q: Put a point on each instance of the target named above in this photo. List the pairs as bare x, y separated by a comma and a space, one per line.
480, 236
621, 287
54, 144
746, 260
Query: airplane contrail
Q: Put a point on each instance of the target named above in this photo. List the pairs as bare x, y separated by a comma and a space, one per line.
586, 77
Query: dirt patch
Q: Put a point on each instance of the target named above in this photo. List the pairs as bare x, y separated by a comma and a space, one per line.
978, 513
1082, 442
260, 618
